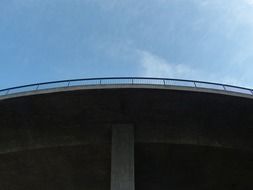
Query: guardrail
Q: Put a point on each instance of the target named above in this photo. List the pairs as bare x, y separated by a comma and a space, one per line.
126, 81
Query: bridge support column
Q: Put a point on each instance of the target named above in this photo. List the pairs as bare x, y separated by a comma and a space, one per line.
122, 160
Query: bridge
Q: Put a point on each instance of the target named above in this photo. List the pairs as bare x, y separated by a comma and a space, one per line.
126, 133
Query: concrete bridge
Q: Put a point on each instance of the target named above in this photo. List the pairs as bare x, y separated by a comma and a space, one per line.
126, 136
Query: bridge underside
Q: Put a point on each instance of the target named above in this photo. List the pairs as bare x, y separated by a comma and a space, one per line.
169, 140
157, 166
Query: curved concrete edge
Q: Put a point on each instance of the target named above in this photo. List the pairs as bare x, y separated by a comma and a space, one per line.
10, 150
124, 86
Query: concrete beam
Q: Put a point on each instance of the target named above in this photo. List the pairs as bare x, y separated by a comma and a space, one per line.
122, 160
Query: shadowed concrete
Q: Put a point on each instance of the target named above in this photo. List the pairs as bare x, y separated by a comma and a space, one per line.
165, 166
183, 139
65, 168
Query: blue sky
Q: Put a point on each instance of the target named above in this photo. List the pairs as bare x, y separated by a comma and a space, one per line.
44, 40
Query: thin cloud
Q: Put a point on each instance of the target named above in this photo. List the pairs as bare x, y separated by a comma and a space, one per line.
155, 66
250, 2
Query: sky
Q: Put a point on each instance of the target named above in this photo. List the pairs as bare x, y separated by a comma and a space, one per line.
46, 40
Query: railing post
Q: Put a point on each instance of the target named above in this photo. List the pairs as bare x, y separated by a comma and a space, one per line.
7, 92
37, 87
195, 84
163, 82
224, 87
68, 83
132, 81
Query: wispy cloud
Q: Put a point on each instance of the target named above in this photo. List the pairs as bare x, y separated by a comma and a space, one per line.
250, 2
155, 66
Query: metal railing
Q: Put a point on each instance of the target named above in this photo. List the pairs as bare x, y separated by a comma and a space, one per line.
125, 81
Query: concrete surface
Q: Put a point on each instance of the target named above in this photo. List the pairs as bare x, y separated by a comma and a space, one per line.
122, 159
183, 139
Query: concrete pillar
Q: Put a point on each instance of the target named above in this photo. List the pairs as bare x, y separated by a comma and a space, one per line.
122, 161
